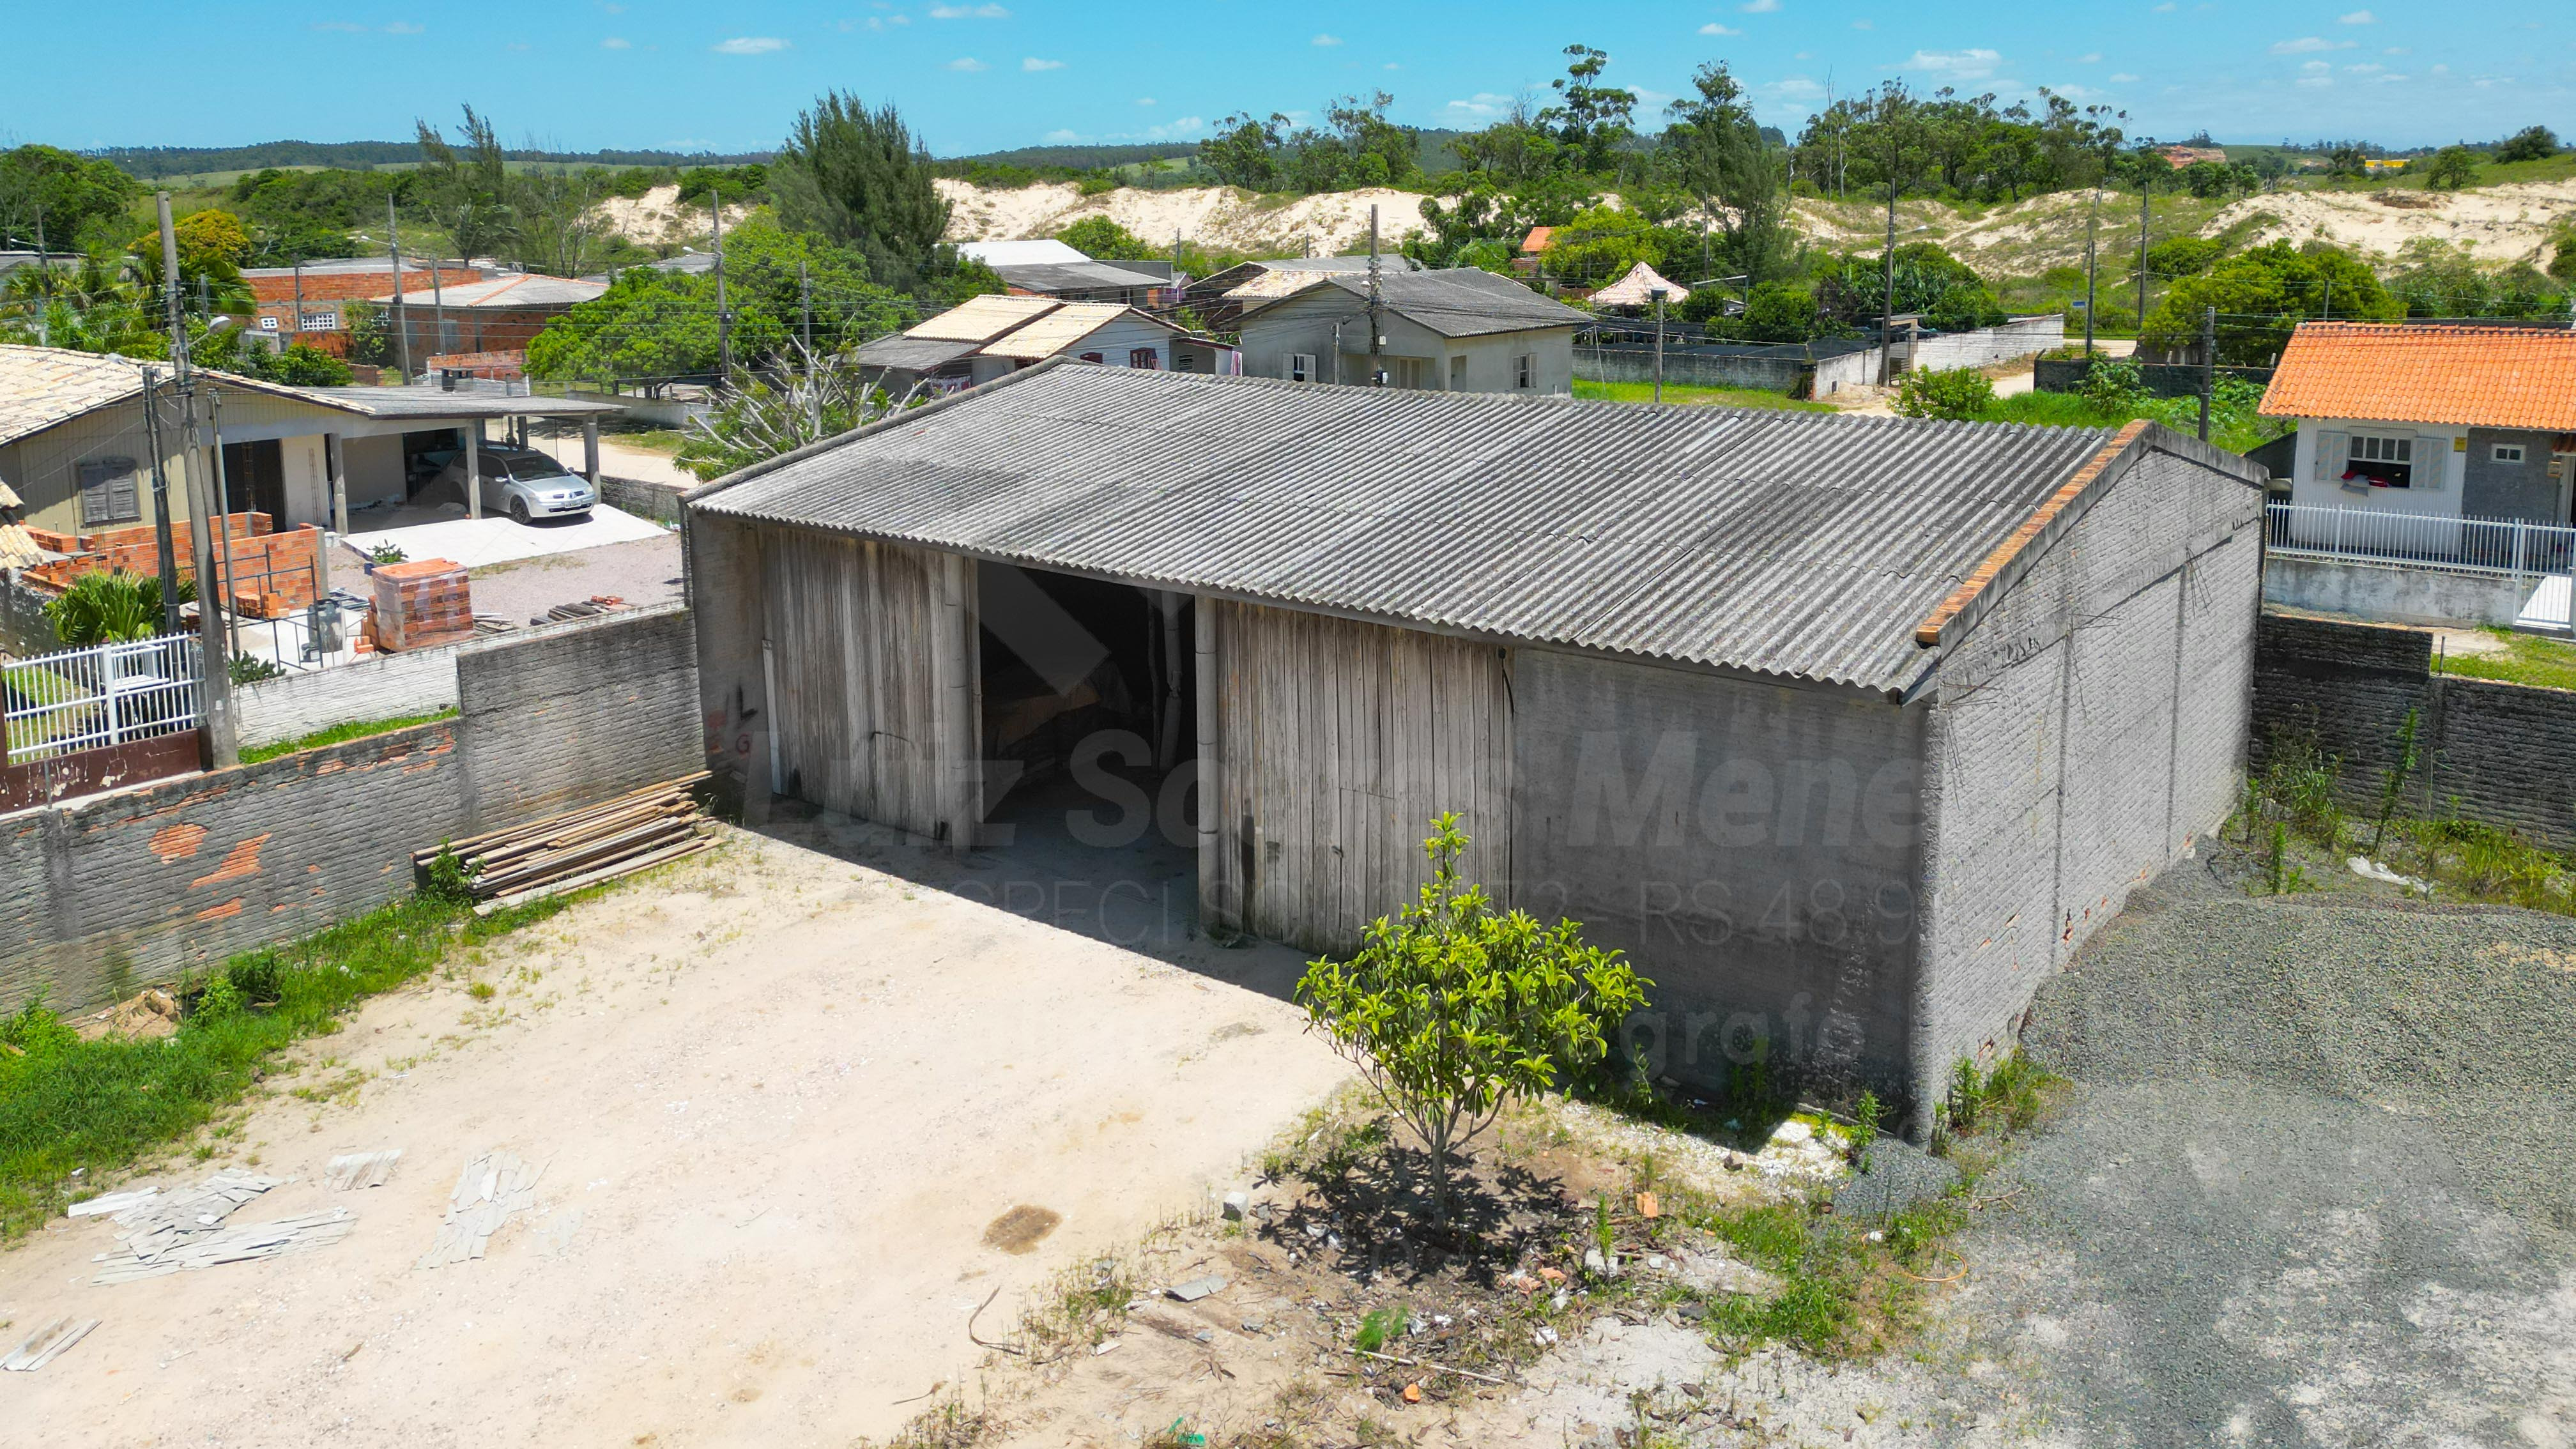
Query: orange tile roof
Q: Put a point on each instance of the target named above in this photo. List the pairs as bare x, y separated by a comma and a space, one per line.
2479, 377
1539, 239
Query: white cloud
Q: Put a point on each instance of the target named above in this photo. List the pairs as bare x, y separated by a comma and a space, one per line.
2092, 58
404, 27
617, 42
968, 12
1144, 100
2391, 78
2441, 70
1794, 88
344, 27
1391, 65
1033, 63
2398, 50
1187, 124
1061, 137
2077, 93
1972, 64
2358, 17
1759, 7
1713, 28
2124, 79
967, 62
1864, 25
750, 45
2167, 8
2316, 82
2309, 45
2317, 67
2368, 67
1482, 106
1327, 40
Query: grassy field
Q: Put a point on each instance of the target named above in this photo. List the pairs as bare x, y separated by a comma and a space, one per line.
2525, 659
356, 730
1723, 397
2234, 428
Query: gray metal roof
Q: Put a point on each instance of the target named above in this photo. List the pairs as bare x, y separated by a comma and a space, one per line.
1797, 544
1074, 276
1454, 302
434, 402
913, 354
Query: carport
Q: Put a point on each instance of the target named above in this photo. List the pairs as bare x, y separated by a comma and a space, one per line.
1849, 730
374, 458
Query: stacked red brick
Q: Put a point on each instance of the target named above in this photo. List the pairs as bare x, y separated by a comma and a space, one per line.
422, 604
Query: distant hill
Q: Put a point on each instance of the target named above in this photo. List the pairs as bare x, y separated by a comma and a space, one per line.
150, 163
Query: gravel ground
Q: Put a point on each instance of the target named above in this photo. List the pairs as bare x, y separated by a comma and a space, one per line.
642, 573
2314, 1183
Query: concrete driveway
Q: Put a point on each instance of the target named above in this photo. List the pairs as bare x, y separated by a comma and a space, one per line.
778, 1098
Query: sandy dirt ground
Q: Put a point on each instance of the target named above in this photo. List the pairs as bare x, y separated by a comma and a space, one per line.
657, 217
779, 1096
1211, 216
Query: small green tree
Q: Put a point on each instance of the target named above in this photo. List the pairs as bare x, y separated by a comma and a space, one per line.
1452, 1008
2531, 143
1101, 239
2451, 168
1954, 393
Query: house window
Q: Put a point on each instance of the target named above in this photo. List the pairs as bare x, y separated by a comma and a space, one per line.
318, 322
1093, 357
108, 492
1144, 357
267, 324
1457, 374
2508, 452
1525, 371
1301, 367
2382, 462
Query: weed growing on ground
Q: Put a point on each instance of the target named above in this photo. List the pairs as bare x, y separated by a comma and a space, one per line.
68, 1104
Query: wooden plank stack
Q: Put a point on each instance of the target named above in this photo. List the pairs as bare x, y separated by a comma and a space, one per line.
648, 827
422, 604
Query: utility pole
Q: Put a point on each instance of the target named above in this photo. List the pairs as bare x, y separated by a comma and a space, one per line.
724, 317
402, 327
214, 664
1658, 295
2208, 365
1887, 314
231, 580
1376, 310
2092, 232
437, 314
169, 557
44, 285
2146, 185
296, 331
805, 306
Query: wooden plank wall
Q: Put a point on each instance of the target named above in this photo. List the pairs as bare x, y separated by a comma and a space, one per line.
1338, 741
865, 656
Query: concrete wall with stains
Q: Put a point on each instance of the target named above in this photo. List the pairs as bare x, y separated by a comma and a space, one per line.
104, 894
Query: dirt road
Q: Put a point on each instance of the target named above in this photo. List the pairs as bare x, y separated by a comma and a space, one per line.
779, 1097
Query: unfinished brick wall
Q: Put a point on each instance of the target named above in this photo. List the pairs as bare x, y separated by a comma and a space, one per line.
359, 286
102, 894
2504, 754
272, 572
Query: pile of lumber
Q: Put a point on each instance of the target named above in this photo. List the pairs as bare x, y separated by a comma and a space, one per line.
651, 826
422, 604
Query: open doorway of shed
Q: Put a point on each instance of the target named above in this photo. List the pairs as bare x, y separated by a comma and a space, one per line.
1089, 742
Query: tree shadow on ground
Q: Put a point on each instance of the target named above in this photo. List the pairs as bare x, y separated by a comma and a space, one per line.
1379, 1213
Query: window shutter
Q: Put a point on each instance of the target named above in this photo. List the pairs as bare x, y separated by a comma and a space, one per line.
2330, 456
108, 492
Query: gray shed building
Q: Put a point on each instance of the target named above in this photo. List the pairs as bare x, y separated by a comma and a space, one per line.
1456, 330
1849, 730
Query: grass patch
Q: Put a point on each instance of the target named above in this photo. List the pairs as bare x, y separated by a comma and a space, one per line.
101, 1105
2525, 659
660, 440
355, 730
2235, 429
1723, 397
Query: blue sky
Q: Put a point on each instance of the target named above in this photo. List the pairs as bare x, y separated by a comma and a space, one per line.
978, 75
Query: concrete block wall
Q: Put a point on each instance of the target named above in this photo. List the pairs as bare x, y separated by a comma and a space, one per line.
378, 687
2503, 754
2089, 727
111, 891
561, 719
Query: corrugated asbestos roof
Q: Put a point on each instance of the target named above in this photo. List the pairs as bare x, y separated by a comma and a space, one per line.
1797, 544
1458, 301
2478, 377
42, 386
419, 401
913, 354
1083, 276
981, 319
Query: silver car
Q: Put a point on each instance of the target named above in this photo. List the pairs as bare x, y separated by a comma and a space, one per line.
523, 483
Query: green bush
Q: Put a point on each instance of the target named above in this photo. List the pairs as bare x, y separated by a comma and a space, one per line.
1953, 393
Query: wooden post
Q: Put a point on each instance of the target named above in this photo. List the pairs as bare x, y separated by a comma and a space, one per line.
1212, 914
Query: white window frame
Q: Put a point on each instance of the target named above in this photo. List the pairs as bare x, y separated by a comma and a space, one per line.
2508, 453
1300, 367
2393, 448
318, 322
1525, 371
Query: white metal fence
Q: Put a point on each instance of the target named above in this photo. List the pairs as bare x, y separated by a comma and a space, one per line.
2409, 540
108, 694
